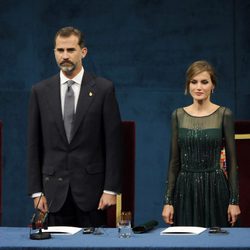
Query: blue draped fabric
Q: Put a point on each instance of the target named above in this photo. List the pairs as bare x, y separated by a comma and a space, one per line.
18, 238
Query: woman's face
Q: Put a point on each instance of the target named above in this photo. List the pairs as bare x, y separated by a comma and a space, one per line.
201, 86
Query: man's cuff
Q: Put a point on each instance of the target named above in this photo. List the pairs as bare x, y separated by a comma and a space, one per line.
109, 192
35, 195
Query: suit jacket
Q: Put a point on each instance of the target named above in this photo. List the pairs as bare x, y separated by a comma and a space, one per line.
91, 162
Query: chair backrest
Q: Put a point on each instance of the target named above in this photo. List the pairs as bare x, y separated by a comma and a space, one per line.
242, 136
1, 166
125, 201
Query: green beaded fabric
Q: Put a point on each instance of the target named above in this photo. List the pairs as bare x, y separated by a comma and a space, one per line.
197, 186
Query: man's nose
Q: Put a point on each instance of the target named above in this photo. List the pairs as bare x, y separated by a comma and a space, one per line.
65, 54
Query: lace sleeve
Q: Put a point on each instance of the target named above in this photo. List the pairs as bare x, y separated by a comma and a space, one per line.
174, 161
231, 161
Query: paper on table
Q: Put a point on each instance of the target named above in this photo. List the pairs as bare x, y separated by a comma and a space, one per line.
62, 230
178, 230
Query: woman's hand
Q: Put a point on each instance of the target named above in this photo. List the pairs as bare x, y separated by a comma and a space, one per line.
168, 214
233, 212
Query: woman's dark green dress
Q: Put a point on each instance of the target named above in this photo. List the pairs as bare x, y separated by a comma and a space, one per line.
197, 187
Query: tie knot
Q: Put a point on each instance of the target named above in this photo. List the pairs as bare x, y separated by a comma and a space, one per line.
70, 83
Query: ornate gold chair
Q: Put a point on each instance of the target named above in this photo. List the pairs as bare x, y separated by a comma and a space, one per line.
242, 136
125, 201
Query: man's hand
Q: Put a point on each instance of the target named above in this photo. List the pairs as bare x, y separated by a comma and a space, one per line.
42, 206
106, 201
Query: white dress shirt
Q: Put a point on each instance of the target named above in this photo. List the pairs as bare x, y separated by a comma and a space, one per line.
76, 87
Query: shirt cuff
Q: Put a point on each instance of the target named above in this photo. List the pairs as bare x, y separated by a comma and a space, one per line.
109, 192
35, 195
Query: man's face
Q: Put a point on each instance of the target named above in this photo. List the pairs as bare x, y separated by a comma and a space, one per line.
69, 55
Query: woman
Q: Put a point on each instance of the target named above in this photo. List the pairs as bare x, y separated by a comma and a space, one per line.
198, 192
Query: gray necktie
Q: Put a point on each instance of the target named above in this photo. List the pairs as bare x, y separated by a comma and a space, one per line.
69, 107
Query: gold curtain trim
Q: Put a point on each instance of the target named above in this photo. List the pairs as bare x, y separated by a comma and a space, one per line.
242, 136
118, 207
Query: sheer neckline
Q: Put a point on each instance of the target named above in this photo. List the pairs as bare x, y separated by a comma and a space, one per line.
203, 115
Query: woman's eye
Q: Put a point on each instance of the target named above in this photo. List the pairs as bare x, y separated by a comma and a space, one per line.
204, 82
193, 81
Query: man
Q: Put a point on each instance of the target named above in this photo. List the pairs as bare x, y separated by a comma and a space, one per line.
74, 140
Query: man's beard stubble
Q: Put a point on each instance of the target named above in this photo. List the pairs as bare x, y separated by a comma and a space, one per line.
67, 69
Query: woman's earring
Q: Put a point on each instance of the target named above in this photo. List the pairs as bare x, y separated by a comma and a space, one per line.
212, 91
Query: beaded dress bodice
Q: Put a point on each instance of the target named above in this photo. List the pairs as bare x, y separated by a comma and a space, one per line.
195, 157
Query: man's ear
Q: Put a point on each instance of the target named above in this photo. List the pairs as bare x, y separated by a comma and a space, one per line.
84, 52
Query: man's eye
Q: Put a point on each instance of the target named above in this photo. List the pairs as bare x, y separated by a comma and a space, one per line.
70, 50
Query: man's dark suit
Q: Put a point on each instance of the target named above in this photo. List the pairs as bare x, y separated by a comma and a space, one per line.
91, 162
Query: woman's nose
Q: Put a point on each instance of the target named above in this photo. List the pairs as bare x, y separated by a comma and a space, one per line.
198, 85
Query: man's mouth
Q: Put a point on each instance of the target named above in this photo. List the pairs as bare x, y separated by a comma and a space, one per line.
66, 63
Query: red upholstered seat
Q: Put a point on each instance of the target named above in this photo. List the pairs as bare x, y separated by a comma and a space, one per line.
126, 201
242, 131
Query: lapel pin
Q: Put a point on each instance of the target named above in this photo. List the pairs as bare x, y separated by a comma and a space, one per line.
90, 93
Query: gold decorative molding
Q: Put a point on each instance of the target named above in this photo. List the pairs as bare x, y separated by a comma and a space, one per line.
118, 207
242, 136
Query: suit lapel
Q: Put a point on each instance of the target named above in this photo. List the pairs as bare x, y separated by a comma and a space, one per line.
54, 100
86, 97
